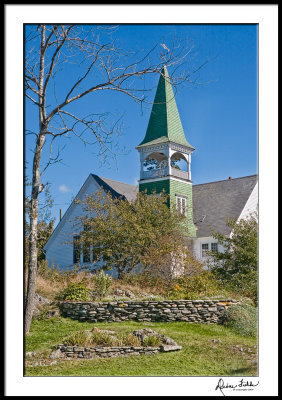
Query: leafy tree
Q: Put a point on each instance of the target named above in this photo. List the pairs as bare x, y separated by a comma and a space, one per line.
125, 235
171, 258
44, 231
237, 265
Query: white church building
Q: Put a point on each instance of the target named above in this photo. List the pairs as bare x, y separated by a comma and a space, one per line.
165, 164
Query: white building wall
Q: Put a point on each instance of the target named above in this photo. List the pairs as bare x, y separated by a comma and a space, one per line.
58, 251
197, 248
251, 204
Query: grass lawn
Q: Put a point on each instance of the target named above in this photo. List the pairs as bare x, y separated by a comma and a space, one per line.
200, 355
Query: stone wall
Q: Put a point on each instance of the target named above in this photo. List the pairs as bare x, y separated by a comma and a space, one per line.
166, 344
97, 352
203, 311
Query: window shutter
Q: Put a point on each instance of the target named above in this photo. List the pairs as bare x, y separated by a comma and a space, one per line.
179, 204
184, 206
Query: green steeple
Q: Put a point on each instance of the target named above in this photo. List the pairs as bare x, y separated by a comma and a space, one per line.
164, 123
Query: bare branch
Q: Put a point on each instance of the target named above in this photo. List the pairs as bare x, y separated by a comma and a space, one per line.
87, 72
52, 160
30, 98
31, 88
60, 45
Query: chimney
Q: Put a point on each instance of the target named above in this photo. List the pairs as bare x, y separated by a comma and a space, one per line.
60, 214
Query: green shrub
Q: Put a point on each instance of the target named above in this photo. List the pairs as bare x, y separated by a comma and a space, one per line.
75, 292
79, 338
43, 313
242, 319
130, 340
152, 341
101, 284
194, 286
246, 284
100, 338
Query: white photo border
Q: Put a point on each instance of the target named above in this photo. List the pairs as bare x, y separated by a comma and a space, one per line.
267, 18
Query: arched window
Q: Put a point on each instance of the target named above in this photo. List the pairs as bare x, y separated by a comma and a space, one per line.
155, 161
178, 161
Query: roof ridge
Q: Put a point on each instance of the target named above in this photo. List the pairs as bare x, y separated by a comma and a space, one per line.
198, 184
225, 180
113, 180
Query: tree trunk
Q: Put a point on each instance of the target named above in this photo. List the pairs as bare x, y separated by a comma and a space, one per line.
32, 263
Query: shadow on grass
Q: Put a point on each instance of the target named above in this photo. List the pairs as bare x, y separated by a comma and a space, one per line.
248, 371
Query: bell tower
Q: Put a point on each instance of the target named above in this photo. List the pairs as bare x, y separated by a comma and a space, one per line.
165, 154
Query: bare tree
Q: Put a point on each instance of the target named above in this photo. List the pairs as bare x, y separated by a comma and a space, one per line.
101, 65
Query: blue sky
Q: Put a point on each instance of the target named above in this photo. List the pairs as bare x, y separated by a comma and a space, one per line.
219, 115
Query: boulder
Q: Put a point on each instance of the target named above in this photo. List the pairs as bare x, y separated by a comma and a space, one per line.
166, 348
56, 354
39, 302
128, 293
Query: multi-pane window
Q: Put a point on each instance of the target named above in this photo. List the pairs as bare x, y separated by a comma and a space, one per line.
178, 203
214, 246
86, 252
86, 247
76, 249
181, 204
205, 248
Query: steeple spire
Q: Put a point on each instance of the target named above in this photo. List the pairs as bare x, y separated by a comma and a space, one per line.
164, 123
165, 154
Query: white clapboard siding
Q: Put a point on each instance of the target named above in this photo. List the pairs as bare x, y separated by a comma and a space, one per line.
251, 204
58, 251
197, 247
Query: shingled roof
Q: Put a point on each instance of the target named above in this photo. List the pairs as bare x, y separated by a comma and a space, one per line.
213, 202
117, 189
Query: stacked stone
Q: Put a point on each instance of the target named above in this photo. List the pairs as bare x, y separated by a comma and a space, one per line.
67, 351
202, 311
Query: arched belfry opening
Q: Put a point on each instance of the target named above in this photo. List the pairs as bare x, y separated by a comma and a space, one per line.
154, 165
154, 161
179, 161
180, 165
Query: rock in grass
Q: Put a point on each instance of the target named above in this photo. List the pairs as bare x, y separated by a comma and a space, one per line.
166, 348
56, 354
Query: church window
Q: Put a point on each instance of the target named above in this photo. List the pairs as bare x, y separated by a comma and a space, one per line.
205, 248
76, 249
86, 252
86, 247
214, 246
181, 204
